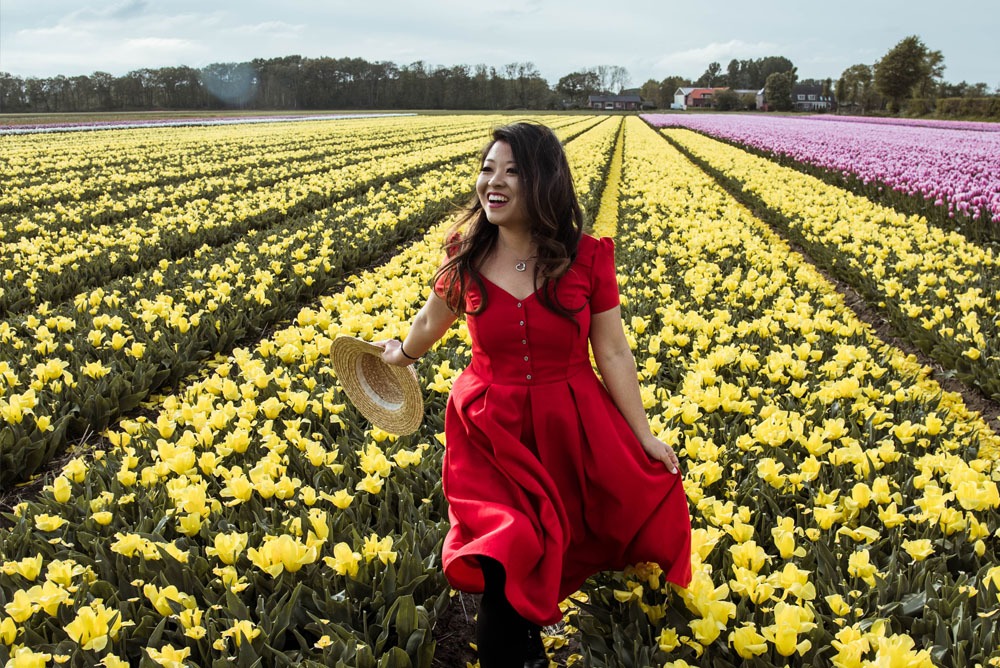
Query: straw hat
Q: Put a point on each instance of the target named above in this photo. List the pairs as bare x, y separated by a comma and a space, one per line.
389, 396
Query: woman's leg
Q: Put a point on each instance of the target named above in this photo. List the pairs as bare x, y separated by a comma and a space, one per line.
537, 658
501, 632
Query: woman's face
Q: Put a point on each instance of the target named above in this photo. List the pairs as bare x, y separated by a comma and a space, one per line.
499, 188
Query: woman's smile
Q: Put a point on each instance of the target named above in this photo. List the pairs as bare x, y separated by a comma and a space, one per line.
499, 186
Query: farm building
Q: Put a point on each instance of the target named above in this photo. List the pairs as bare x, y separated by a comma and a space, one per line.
615, 102
811, 98
700, 98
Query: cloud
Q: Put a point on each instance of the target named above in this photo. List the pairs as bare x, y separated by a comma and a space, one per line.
270, 29
129, 9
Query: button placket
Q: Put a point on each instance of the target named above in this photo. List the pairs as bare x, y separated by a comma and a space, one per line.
524, 341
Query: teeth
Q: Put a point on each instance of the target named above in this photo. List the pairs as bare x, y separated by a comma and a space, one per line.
497, 198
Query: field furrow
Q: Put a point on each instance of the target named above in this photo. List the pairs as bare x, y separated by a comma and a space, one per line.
256, 515
843, 505
59, 262
941, 291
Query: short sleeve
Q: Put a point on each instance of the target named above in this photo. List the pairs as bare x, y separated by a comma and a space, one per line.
603, 277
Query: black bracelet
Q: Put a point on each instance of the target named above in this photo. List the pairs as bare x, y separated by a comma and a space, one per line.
402, 350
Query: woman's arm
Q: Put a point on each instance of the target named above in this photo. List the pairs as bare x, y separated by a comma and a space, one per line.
429, 325
617, 366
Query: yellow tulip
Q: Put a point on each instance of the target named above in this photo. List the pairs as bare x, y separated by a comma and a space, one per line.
8, 631
747, 641
918, 549
370, 483
94, 626
789, 622
28, 568
21, 607
161, 598
24, 657
378, 547
860, 566
283, 553
837, 604
344, 561
61, 489
169, 656
242, 630
228, 546
47, 522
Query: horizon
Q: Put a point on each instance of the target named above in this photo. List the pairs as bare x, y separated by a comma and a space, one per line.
63, 38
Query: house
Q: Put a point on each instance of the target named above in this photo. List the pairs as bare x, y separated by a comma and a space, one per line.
695, 98
615, 102
680, 97
811, 98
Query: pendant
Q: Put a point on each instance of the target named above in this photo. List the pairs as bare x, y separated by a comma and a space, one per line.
521, 266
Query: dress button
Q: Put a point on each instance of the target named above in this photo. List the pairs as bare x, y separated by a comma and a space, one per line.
519, 304
528, 376
525, 358
522, 323
524, 342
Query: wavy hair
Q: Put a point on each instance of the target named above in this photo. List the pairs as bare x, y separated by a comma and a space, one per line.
552, 206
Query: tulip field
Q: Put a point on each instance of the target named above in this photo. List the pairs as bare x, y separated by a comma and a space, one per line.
951, 166
183, 482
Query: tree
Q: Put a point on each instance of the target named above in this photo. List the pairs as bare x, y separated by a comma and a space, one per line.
651, 91
856, 88
612, 78
906, 67
711, 77
12, 93
768, 66
740, 74
778, 91
577, 86
727, 100
669, 86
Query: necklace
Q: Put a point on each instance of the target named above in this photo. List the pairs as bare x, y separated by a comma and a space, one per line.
520, 265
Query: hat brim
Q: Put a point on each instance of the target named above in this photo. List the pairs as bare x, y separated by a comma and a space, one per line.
388, 396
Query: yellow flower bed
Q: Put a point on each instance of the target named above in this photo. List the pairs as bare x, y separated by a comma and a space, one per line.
66, 181
79, 365
254, 515
940, 289
36, 267
844, 510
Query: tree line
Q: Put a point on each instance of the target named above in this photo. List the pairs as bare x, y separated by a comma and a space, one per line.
287, 83
301, 83
909, 77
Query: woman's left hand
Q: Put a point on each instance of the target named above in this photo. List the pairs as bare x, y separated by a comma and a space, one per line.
661, 452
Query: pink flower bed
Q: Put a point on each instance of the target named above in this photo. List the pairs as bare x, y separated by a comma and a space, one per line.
957, 169
980, 126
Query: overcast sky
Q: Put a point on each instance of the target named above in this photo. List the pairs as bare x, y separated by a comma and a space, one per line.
650, 38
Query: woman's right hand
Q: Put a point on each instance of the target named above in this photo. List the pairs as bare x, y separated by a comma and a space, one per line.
392, 354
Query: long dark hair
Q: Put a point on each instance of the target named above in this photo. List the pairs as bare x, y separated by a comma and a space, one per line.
555, 214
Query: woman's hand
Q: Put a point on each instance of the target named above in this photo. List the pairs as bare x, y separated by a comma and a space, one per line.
392, 354
661, 452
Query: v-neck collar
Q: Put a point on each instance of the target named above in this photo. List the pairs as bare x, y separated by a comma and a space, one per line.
506, 292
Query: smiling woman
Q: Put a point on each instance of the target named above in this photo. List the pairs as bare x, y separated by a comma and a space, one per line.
550, 475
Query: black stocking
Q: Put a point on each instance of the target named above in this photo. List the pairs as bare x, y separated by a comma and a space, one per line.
501, 633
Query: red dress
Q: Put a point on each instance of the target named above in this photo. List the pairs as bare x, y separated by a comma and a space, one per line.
541, 471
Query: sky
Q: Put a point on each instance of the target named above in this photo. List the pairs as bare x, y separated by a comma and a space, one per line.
652, 39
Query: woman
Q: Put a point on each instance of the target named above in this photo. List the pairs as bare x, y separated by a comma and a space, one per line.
550, 475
